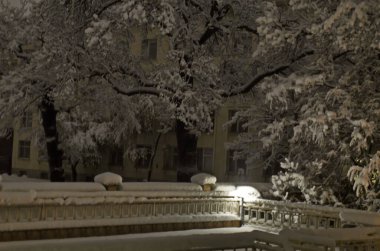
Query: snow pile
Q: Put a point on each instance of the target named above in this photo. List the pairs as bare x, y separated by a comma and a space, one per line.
203, 179
108, 179
247, 192
15, 198
220, 187
160, 186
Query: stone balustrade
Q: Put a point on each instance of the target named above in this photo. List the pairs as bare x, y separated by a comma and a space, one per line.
43, 214
279, 215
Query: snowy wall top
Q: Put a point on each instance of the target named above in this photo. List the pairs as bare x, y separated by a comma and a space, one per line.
52, 186
160, 186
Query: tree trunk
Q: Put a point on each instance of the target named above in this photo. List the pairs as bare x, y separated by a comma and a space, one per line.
153, 156
74, 173
49, 123
187, 147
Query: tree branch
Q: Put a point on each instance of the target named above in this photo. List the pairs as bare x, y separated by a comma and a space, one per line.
106, 6
259, 77
137, 91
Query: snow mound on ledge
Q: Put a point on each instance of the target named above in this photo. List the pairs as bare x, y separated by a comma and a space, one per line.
108, 178
160, 186
203, 179
52, 186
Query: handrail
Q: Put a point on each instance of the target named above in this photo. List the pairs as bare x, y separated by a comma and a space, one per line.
279, 215
287, 226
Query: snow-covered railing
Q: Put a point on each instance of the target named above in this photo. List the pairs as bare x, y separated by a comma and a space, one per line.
360, 239
343, 239
279, 215
26, 212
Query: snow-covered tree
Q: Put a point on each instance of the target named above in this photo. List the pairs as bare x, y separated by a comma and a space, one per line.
81, 60
323, 102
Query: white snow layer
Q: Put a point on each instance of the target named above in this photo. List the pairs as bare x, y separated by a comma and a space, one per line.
163, 241
108, 178
77, 223
360, 217
203, 179
52, 186
220, 187
160, 186
15, 178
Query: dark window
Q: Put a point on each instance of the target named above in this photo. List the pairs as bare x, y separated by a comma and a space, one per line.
44, 175
243, 42
149, 49
237, 126
24, 149
170, 158
116, 157
144, 156
26, 120
205, 159
235, 166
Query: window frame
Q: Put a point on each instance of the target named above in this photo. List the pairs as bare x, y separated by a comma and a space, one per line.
146, 49
237, 126
236, 164
116, 157
140, 162
26, 120
202, 155
24, 149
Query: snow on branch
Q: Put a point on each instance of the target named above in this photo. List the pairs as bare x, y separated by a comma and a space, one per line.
259, 77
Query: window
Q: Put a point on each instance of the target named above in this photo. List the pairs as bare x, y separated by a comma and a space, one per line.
24, 149
26, 120
116, 157
144, 156
149, 49
243, 42
205, 159
236, 127
170, 158
235, 166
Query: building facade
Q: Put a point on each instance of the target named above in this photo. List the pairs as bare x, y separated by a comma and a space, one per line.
211, 155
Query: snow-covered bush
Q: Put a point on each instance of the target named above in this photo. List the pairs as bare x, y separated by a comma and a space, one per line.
291, 185
366, 182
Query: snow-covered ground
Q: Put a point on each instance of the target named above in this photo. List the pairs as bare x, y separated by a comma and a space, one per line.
175, 240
